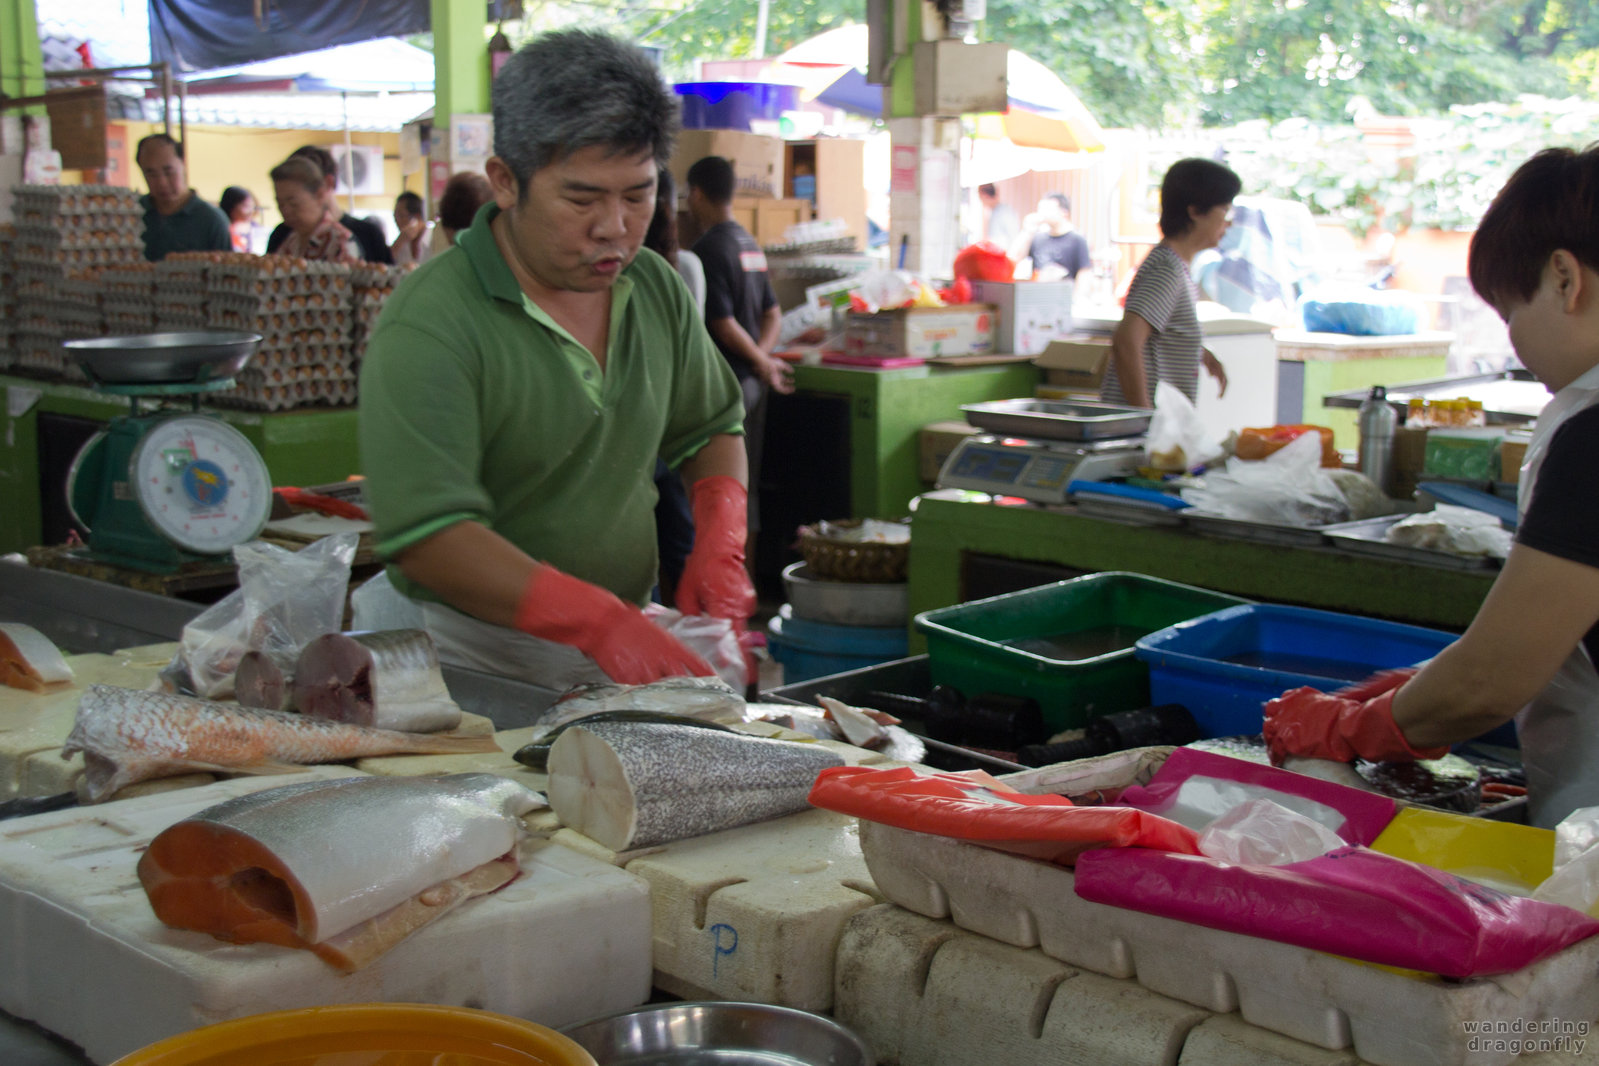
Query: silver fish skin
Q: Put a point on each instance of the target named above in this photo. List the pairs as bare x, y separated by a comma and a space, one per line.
127, 735
686, 782
351, 849
388, 679
708, 698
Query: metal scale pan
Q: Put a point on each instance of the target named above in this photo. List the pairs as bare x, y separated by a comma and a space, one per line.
1058, 419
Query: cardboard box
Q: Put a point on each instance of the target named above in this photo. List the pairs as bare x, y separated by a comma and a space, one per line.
1078, 363
1512, 451
960, 329
1031, 313
1409, 457
757, 161
955, 77
935, 442
834, 171
768, 220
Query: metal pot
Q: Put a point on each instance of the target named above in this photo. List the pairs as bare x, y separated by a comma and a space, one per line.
844, 603
690, 1033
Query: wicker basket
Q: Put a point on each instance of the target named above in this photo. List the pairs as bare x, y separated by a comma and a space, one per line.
837, 558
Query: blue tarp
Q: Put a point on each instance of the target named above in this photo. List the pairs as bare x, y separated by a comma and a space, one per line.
195, 35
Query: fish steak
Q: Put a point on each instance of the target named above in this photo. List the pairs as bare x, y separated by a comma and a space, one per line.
30, 660
386, 678
346, 868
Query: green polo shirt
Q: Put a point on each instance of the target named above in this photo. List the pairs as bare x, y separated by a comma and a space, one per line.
195, 227
476, 406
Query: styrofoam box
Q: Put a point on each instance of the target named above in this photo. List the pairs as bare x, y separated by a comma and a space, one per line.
1389, 1017
86, 958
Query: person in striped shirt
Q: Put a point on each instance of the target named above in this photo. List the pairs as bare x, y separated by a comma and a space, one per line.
1158, 338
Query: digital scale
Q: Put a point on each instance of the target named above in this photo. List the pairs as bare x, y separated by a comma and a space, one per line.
1035, 449
160, 489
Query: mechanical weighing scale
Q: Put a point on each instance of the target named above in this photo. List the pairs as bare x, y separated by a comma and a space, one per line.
1034, 449
159, 489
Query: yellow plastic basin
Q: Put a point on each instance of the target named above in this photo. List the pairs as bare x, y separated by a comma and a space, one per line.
367, 1034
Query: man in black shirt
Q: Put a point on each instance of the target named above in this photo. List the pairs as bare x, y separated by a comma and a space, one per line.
369, 235
1057, 250
741, 310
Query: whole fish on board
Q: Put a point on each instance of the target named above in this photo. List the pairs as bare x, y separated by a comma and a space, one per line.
30, 660
636, 784
127, 735
537, 754
345, 868
387, 678
708, 698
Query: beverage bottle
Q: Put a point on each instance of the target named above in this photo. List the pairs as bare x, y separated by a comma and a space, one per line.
1377, 421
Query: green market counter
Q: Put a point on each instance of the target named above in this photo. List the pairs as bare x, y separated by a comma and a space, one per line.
964, 550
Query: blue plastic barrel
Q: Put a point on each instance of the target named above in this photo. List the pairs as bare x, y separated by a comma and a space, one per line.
820, 649
731, 105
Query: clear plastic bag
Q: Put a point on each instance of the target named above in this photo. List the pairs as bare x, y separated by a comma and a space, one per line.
1262, 833
1288, 487
284, 600
712, 639
1178, 441
1575, 882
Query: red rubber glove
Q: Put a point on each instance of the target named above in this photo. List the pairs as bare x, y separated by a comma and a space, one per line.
714, 580
1378, 683
1318, 725
616, 635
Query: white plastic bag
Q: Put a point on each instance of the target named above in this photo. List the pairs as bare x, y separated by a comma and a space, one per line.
284, 600
1450, 528
712, 639
1575, 882
1288, 487
1260, 832
1178, 441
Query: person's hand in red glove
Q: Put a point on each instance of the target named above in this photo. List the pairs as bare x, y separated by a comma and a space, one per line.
1341, 726
628, 646
714, 580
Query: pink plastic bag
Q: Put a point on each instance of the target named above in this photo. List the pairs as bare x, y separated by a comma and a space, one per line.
1194, 787
1352, 901
974, 806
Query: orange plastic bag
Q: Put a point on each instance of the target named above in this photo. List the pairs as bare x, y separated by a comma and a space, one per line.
984, 261
1259, 442
974, 806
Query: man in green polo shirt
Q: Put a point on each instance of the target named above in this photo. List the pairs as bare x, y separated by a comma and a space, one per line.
517, 391
175, 218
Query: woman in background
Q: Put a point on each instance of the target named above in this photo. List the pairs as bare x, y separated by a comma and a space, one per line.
314, 231
239, 206
463, 194
674, 519
1159, 338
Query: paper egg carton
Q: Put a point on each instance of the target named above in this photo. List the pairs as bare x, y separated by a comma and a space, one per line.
133, 281
35, 253
50, 202
82, 233
291, 395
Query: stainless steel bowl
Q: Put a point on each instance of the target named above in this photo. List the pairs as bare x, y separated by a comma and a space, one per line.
164, 358
723, 1034
845, 603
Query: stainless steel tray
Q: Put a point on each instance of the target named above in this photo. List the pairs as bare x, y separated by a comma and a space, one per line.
164, 358
1365, 537
1058, 419
1215, 525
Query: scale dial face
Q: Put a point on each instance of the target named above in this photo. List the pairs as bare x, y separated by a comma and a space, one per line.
201, 483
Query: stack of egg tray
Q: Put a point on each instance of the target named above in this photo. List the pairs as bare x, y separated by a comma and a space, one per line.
128, 300
372, 284
180, 292
80, 311
304, 313
8, 299
62, 230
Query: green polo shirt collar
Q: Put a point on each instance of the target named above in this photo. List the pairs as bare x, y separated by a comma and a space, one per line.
494, 274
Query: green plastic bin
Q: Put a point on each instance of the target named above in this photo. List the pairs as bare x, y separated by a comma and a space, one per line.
1068, 645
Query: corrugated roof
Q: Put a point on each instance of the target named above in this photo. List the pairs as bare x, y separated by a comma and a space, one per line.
374, 112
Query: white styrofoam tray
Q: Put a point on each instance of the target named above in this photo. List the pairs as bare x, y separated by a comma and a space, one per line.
1390, 1017
85, 957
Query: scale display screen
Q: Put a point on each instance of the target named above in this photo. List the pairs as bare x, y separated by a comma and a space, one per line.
1001, 466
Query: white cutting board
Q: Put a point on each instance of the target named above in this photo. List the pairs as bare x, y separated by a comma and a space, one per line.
85, 957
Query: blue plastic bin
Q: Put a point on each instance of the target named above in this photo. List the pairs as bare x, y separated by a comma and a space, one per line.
1224, 666
819, 649
731, 105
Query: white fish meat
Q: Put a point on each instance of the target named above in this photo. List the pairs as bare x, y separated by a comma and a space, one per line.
346, 868
30, 660
127, 735
387, 679
708, 698
634, 785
